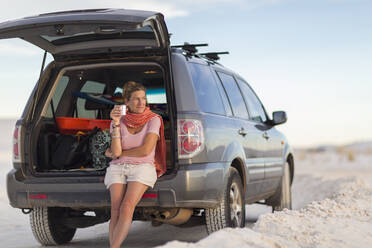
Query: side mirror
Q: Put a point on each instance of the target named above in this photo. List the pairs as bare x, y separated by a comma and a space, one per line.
279, 117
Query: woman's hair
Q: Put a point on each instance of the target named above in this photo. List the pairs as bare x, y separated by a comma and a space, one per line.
130, 87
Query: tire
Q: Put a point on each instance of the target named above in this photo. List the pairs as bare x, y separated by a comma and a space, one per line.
47, 228
231, 210
283, 197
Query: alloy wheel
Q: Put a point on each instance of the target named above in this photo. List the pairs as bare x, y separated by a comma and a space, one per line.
235, 205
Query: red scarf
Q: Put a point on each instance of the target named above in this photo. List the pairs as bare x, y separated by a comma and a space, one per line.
135, 120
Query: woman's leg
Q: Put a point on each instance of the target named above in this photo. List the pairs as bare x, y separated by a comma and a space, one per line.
132, 196
117, 191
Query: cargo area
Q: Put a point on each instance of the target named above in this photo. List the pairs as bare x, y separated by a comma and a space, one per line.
73, 131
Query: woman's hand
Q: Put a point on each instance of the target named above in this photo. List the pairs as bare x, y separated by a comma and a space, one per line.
116, 149
109, 154
115, 114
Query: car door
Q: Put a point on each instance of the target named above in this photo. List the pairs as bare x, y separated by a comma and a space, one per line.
250, 136
272, 139
75, 34
274, 154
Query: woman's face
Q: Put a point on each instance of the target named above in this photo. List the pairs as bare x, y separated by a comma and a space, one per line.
137, 102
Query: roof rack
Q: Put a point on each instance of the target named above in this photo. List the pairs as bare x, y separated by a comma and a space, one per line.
213, 55
190, 48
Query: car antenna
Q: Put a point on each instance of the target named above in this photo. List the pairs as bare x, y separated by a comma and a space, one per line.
213, 55
190, 48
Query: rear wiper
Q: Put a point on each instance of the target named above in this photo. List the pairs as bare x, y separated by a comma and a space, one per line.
36, 95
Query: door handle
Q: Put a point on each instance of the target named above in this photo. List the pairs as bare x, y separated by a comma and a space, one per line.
242, 132
265, 135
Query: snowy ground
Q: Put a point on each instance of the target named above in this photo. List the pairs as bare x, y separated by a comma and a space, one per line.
332, 195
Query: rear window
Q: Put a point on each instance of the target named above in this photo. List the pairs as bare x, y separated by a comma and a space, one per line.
206, 89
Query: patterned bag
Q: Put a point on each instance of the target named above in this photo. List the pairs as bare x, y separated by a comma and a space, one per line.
98, 144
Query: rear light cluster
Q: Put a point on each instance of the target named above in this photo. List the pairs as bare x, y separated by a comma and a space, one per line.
16, 144
190, 138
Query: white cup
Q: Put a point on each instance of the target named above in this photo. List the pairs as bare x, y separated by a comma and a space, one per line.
123, 109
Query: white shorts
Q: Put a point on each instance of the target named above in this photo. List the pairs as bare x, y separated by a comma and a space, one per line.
123, 173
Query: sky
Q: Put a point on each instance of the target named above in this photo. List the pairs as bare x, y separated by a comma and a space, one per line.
310, 58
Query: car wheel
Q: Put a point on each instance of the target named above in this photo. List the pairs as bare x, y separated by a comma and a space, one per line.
231, 210
283, 197
47, 227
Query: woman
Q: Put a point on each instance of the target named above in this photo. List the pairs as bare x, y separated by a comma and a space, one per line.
138, 152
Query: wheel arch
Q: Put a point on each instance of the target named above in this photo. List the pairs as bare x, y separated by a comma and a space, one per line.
290, 162
234, 152
288, 158
238, 164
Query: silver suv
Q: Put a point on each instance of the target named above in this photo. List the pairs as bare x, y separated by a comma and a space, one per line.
223, 150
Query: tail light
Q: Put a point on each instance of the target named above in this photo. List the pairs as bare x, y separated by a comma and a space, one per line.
16, 144
190, 138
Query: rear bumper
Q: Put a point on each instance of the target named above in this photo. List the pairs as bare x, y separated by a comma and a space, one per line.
194, 186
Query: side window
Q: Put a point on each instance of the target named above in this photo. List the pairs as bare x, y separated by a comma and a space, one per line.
154, 96
223, 93
208, 95
234, 94
255, 108
61, 86
92, 88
